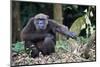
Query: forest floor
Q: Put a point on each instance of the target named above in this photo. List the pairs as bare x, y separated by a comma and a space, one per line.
60, 56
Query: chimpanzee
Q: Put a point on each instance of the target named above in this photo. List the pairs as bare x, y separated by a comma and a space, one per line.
39, 34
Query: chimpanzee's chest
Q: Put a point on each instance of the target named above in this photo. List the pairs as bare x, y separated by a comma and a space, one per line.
48, 30
43, 33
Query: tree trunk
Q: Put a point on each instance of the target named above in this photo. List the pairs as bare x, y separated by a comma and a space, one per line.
16, 27
58, 15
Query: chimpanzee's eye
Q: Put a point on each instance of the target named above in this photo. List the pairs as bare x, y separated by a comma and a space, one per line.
41, 21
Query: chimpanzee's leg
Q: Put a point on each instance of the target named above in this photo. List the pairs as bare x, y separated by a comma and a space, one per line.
27, 45
48, 46
34, 52
31, 48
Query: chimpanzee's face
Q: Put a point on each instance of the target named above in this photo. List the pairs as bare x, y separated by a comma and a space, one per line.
41, 24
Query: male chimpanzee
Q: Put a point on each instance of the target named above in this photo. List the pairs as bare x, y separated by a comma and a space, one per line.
39, 34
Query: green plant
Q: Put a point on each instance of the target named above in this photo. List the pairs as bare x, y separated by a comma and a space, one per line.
18, 47
61, 45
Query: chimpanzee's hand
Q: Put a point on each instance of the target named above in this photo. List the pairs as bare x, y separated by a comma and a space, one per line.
71, 34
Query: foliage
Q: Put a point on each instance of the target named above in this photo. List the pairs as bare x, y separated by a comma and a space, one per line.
18, 47
90, 28
83, 23
76, 26
82, 40
61, 45
69, 45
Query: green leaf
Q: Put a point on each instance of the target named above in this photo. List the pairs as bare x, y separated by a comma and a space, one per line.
77, 25
61, 45
18, 47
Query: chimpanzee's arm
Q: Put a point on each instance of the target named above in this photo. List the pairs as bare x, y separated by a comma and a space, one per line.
62, 29
32, 36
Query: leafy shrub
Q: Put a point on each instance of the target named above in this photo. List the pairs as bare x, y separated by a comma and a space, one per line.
18, 47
